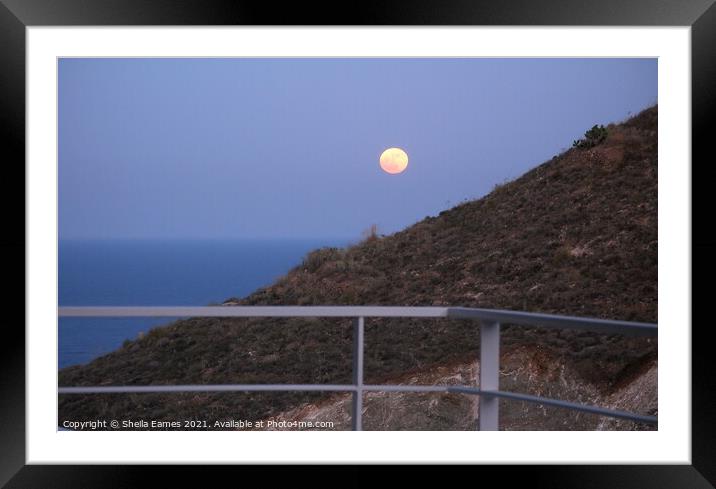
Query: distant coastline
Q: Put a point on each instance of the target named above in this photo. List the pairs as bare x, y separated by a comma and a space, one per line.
160, 272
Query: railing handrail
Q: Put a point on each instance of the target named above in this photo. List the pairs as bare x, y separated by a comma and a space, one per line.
518, 318
535, 319
254, 311
489, 319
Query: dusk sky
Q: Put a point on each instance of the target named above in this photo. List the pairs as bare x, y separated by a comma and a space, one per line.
289, 148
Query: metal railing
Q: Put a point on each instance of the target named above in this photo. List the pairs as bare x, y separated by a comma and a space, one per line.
489, 321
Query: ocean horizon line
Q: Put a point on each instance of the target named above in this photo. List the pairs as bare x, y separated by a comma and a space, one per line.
205, 240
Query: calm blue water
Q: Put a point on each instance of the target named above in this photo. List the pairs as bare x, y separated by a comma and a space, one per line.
159, 273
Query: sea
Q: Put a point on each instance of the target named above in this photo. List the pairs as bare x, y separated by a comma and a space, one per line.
160, 273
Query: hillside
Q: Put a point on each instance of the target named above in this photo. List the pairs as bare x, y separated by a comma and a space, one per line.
576, 235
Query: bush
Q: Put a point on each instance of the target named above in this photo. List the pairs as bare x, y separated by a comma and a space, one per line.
592, 137
317, 258
370, 234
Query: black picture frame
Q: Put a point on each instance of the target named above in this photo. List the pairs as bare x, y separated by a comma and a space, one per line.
16, 15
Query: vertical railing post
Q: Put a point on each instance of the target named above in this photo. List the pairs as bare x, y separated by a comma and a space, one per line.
358, 333
489, 375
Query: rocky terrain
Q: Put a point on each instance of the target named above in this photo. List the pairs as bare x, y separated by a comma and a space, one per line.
411, 411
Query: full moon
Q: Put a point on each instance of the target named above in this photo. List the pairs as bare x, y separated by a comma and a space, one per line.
394, 160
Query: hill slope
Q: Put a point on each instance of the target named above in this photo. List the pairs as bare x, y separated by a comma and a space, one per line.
576, 235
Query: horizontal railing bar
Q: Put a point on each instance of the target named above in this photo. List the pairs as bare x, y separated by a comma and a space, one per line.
613, 413
351, 388
253, 311
406, 388
205, 388
249, 388
511, 317
531, 319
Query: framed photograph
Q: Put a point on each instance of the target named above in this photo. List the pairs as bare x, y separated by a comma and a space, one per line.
464, 230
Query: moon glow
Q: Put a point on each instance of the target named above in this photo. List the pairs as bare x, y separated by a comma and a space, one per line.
393, 161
